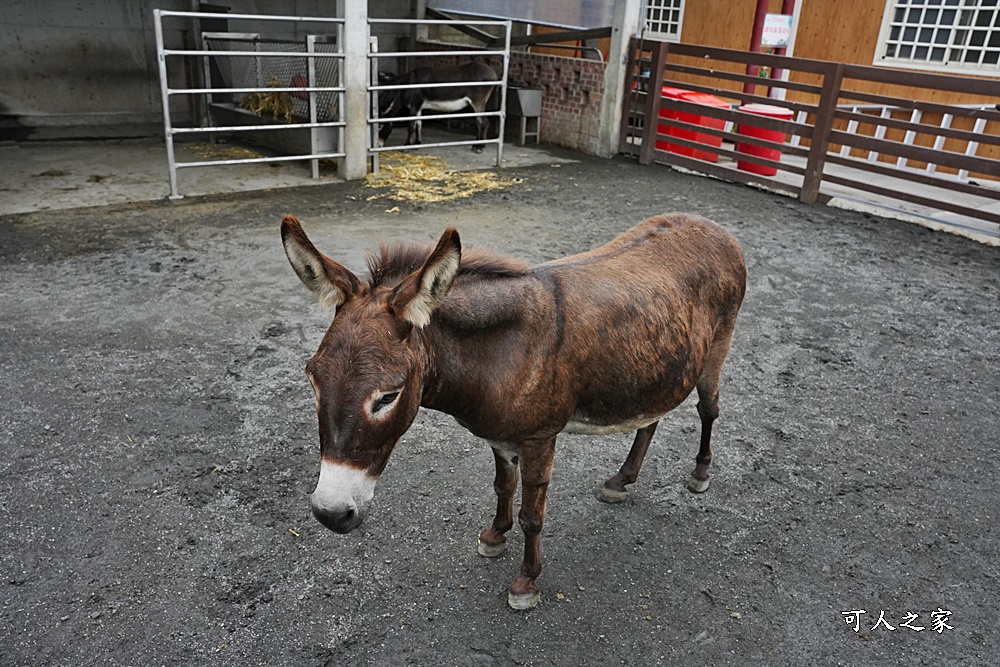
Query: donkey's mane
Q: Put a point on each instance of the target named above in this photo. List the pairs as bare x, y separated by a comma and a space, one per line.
397, 260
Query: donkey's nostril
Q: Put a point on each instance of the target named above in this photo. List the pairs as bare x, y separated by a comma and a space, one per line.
339, 521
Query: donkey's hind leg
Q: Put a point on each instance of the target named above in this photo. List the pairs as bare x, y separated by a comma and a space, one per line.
614, 490
708, 406
708, 410
415, 134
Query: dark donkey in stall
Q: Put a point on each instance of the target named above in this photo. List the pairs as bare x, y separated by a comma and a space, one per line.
452, 99
606, 341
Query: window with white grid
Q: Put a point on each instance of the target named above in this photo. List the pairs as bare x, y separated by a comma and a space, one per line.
663, 19
949, 35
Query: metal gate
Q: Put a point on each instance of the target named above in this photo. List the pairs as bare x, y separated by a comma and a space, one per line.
288, 94
498, 56
299, 97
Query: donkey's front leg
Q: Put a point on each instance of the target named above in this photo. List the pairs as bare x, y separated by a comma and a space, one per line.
536, 471
482, 128
492, 541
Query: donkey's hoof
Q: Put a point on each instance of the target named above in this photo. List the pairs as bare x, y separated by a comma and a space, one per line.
612, 495
491, 550
523, 593
698, 485
524, 601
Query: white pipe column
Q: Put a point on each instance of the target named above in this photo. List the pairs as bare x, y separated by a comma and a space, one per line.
625, 26
355, 73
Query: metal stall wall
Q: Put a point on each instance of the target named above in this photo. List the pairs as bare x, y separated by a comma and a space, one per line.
289, 91
293, 96
438, 58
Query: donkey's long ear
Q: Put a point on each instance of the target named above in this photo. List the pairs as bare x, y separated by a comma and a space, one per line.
421, 292
325, 277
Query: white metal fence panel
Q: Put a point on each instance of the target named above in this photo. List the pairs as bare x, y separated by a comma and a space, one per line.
299, 83
501, 52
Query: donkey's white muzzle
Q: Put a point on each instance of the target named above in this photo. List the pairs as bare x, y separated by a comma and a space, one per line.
340, 496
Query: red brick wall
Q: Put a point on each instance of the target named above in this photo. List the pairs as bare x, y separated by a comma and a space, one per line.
572, 89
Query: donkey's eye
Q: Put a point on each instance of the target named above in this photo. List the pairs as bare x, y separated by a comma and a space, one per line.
384, 401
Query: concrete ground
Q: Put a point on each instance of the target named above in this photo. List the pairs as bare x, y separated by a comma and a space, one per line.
158, 440
51, 176
840, 196
60, 175
857, 200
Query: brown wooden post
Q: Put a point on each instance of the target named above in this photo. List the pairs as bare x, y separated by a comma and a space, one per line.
654, 94
822, 127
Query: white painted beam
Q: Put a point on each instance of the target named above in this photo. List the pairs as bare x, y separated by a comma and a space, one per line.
626, 25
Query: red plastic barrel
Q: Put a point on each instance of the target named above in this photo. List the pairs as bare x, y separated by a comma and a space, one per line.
694, 119
776, 136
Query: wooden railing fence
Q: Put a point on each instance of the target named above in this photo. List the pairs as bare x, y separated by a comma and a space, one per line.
846, 127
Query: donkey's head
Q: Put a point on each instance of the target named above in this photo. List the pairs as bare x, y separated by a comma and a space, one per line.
368, 372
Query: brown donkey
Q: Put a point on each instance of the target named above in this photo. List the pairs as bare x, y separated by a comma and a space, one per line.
601, 342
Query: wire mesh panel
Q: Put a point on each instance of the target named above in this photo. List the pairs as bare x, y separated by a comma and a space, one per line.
283, 94
267, 71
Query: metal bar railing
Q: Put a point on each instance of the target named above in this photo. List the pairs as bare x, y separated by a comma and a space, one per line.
494, 22
281, 158
206, 54
503, 52
451, 84
276, 89
416, 54
441, 144
252, 54
448, 116
255, 128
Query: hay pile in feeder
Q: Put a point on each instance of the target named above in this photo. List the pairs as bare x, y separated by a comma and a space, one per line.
420, 178
278, 105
